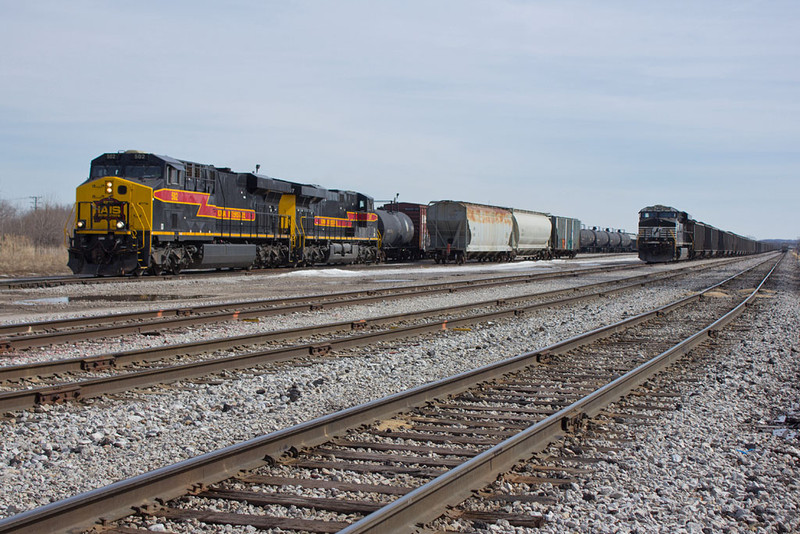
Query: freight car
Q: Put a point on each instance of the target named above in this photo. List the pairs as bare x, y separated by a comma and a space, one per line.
409, 247
142, 212
667, 234
397, 233
461, 231
608, 240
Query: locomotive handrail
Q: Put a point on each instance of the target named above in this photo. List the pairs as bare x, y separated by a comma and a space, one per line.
66, 230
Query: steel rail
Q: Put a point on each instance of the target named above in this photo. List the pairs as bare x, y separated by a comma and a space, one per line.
178, 317
123, 358
63, 280
122, 498
24, 335
432, 499
89, 388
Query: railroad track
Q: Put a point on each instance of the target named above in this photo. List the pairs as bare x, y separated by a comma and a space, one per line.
395, 463
31, 392
62, 280
41, 333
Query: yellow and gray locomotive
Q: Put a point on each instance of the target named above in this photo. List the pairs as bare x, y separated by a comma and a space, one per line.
139, 212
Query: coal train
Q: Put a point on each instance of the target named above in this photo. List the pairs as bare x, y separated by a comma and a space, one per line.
667, 234
140, 212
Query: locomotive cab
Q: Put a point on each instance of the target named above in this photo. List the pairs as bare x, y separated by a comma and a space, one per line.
113, 215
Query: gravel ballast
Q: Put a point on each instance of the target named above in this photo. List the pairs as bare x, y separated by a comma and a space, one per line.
57, 451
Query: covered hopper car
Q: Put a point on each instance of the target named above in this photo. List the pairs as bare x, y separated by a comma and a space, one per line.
461, 231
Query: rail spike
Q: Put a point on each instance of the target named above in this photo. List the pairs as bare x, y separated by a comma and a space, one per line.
573, 422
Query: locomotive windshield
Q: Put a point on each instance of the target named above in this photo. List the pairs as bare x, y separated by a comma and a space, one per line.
659, 215
141, 172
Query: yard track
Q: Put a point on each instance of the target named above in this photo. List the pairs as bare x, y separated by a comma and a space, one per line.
433, 445
28, 394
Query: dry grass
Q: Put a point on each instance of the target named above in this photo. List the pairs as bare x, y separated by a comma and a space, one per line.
19, 257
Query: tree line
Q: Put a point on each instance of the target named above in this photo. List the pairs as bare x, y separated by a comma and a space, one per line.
41, 227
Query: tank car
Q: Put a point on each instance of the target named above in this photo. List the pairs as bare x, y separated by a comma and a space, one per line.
625, 241
417, 248
614, 240
588, 239
142, 212
397, 235
606, 240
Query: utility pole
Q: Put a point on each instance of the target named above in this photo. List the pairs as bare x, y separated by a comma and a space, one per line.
35, 200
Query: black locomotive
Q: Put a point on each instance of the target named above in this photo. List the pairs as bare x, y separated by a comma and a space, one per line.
142, 212
667, 234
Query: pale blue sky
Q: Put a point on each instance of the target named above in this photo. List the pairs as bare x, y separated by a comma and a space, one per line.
581, 108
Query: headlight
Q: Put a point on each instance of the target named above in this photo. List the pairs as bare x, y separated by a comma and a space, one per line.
109, 186
81, 224
120, 225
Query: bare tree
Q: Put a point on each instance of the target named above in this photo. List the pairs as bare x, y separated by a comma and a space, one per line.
43, 226
8, 216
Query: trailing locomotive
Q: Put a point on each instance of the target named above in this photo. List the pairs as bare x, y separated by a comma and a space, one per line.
460, 231
142, 212
667, 234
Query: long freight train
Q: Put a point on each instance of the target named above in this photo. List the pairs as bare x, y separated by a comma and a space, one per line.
667, 234
142, 212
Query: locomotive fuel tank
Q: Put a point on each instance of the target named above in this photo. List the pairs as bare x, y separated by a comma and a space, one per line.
395, 227
531, 233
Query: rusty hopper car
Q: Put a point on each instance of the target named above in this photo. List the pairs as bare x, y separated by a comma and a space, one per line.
460, 231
